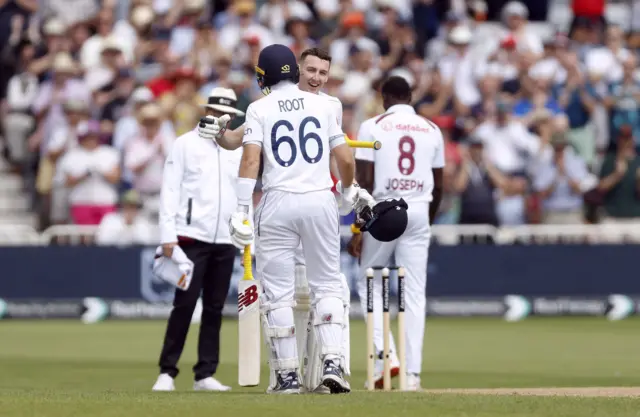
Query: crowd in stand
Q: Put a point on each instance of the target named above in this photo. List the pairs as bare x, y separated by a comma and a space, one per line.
540, 126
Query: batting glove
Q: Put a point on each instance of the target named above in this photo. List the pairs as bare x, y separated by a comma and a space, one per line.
212, 128
241, 233
348, 197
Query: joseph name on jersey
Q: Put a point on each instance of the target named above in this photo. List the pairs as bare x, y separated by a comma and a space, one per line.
411, 147
297, 131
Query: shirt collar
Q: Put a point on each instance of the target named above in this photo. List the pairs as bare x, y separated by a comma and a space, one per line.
284, 85
401, 108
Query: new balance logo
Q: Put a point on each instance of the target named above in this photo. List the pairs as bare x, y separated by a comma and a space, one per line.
248, 297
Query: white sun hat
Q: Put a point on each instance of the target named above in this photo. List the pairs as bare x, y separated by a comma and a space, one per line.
224, 100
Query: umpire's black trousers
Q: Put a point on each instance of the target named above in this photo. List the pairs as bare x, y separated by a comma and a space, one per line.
213, 266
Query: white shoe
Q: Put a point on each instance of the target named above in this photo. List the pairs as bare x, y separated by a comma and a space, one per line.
413, 382
210, 384
322, 390
163, 383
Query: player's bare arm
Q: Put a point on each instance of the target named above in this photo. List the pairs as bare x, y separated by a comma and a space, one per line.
250, 164
346, 163
231, 139
365, 174
438, 181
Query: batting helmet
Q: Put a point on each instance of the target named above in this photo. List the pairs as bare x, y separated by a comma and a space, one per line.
276, 63
386, 221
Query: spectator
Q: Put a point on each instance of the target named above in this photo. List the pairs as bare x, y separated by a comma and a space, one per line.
276, 15
509, 146
136, 27
204, 52
63, 139
623, 102
48, 103
127, 226
577, 96
514, 16
184, 31
476, 182
448, 212
92, 173
183, 103
244, 24
297, 35
557, 180
54, 43
90, 53
620, 181
457, 69
18, 121
536, 99
352, 36
112, 54
438, 98
610, 58
145, 156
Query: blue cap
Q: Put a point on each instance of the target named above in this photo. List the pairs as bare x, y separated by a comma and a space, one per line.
276, 63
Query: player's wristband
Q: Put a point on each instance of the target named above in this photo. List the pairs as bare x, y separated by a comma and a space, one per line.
355, 229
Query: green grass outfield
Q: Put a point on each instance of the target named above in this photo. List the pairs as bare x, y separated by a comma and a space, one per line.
65, 369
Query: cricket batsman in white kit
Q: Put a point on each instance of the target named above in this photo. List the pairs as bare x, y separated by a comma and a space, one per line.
295, 132
314, 73
409, 167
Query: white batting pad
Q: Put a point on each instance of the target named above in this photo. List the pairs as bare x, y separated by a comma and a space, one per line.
279, 334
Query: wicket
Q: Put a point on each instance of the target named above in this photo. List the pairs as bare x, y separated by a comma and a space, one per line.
386, 329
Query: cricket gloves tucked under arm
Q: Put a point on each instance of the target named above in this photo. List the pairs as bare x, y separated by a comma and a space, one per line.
213, 128
241, 233
353, 198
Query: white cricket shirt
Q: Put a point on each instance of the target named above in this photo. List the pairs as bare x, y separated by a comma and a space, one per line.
296, 131
411, 147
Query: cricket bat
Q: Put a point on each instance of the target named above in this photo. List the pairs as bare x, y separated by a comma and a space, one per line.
364, 144
248, 325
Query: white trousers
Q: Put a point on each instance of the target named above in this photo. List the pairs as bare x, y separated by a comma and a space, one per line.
411, 252
283, 221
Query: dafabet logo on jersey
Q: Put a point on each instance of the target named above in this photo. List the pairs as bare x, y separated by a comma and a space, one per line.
285, 69
387, 126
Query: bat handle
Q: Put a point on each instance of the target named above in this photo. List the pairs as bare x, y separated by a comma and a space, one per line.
246, 260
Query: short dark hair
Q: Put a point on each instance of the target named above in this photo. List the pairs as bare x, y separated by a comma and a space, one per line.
396, 88
317, 52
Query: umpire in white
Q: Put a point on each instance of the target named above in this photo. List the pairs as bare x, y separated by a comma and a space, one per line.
197, 200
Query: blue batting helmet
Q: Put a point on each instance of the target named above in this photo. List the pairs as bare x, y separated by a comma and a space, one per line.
386, 221
276, 63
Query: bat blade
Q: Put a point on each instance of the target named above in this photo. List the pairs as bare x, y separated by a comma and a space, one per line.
248, 333
248, 326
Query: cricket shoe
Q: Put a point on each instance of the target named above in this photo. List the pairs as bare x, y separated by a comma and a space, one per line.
164, 383
332, 378
322, 390
286, 383
413, 382
210, 384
